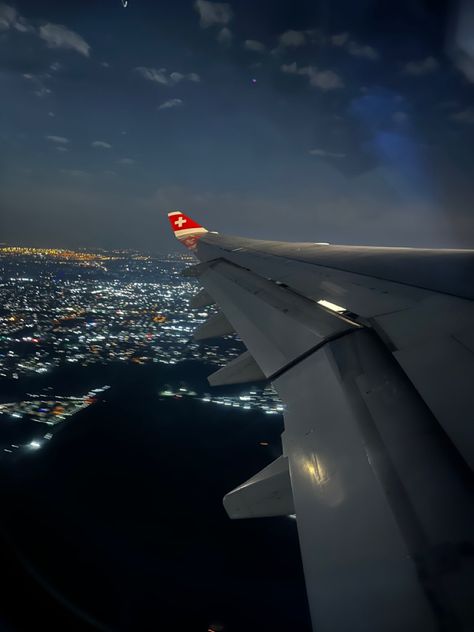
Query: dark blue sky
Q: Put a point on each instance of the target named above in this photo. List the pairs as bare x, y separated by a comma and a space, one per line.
340, 121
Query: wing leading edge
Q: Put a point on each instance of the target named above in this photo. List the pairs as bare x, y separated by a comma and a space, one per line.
376, 448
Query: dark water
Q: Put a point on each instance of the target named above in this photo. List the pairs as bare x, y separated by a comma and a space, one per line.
120, 516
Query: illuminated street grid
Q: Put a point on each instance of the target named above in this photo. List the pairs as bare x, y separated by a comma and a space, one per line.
264, 399
60, 307
46, 409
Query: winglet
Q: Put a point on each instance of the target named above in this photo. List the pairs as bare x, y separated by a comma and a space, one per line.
185, 229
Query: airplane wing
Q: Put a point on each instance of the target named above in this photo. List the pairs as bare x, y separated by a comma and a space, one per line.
372, 352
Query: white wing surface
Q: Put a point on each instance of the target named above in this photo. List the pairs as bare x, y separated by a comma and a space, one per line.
372, 353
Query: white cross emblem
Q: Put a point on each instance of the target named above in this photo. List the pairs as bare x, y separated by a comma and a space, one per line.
180, 221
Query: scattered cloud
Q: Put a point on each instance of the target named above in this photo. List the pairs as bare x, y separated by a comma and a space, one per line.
51, 114
59, 36
325, 80
316, 36
399, 117
340, 39
152, 74
211, 13
254, 46
290, 69
326, 154
464, 62
61, 148
225, 36
192, 76
362, 50
11, 19
421, 67
171, 103
102, 144
464, 116
62, 140
55, 35
165, 78
292, 38
460, 45
41, 90
105, 64
126, 161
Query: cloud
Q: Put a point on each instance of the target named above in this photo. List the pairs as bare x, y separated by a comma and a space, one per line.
464, 116
325, 80
340, 39
399, 117
460, 41
55, 35
11, 19
61, 140
61, 148
291, 69
164, 78
41, 89
465, 64
211, 13
126, 161
292, 38
355, 49
362, 50
326, 154
102, 144
421, 67
225, 36
171, 103
254, 46
59, 36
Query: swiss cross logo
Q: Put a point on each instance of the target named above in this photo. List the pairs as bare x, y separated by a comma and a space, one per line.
180, 221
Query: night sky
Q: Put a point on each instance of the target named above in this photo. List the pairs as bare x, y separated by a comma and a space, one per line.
339, 121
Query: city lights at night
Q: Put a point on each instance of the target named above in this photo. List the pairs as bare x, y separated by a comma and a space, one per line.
57, 313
